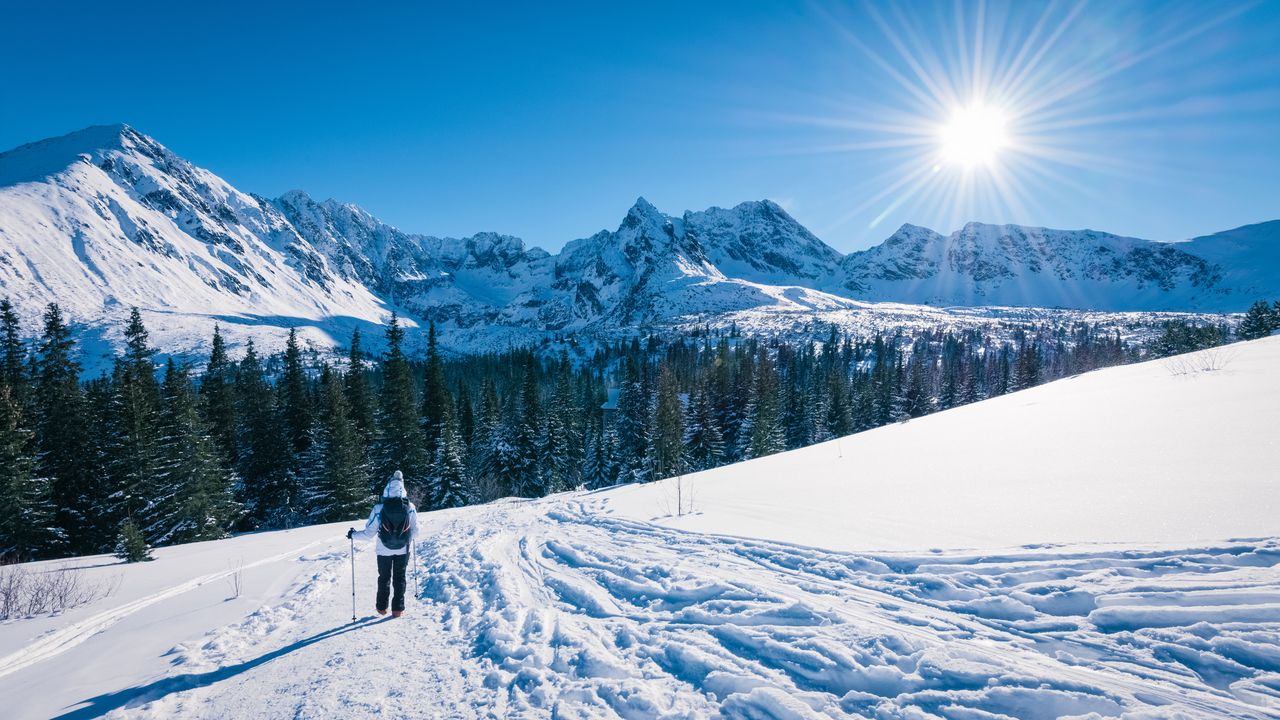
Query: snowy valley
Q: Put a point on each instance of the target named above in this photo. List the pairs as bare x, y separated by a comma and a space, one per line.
1100, 546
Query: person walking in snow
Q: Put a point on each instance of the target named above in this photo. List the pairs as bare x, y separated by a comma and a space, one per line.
394, 522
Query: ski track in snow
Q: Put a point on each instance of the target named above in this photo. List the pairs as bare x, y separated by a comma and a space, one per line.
60, 641
556, 608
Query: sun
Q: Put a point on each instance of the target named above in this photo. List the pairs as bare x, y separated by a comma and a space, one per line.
973, 136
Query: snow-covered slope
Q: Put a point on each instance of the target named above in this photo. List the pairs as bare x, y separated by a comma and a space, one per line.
107, 218
586, 605
1162, 451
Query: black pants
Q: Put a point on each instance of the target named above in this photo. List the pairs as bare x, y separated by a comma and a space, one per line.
388, 564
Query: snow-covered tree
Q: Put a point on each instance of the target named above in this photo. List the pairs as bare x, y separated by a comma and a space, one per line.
668, 428
193, 496
703, 441
401, 445
338, 473
27, 522
1260, 321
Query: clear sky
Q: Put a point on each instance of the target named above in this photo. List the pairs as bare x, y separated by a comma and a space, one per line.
547, 120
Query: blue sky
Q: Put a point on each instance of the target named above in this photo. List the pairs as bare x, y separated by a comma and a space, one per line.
547, 120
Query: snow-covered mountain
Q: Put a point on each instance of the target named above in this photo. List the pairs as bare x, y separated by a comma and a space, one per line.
106, 218
1085, 269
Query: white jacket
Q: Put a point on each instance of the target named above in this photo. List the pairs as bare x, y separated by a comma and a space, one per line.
395, 488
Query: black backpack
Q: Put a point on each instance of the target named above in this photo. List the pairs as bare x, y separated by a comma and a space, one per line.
394, 530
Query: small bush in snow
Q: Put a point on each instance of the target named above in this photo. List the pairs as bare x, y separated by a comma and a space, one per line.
1199, 362
25, 593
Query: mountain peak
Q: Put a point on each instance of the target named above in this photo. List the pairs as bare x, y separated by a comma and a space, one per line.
643, 207
40, 159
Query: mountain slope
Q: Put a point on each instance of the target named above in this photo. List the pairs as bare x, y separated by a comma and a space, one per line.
1013, 265
106, 218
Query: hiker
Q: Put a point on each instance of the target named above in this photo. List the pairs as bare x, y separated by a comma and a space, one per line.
394, 521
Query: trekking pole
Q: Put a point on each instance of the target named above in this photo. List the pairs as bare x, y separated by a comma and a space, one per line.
353, 579
413, 560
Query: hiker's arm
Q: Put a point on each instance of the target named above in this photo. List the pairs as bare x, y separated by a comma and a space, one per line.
413, 523
370, 528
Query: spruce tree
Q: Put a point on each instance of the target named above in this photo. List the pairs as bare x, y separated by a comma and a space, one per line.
400, 442
133, 452
631, 426
197, 499
530, 477
1026, 366
703, 441
564, 444
27, 529
359, 393
452, 486
13, 356
131, 543
295, 399
766, 435
918, 400
466, 415
218, 401
64, 451
338, 488
263, 449
668, 428
436, 401
1259, 322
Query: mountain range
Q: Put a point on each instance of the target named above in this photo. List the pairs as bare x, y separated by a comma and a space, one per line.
107, 218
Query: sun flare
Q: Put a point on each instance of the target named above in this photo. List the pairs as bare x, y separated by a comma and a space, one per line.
973, 136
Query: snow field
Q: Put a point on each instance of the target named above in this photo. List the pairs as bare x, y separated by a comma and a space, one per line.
1163, 451
1106, 583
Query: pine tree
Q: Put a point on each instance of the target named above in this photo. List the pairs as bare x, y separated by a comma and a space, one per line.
766, 436
631, 426
359, 393
133, 452
64, 451
668, 428
400, 442
1026, 366
452, 485
436, 401
13, 356
27, 529
338, 484
917, 398
263, 450
294, 404
131, 544
466, 415
703, 441
1259, 322
196, 500
218, 401
530, 477
564, 444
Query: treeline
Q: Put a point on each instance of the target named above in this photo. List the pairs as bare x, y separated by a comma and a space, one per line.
252, 442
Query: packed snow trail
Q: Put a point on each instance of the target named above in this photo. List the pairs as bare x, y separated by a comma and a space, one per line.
557, 608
